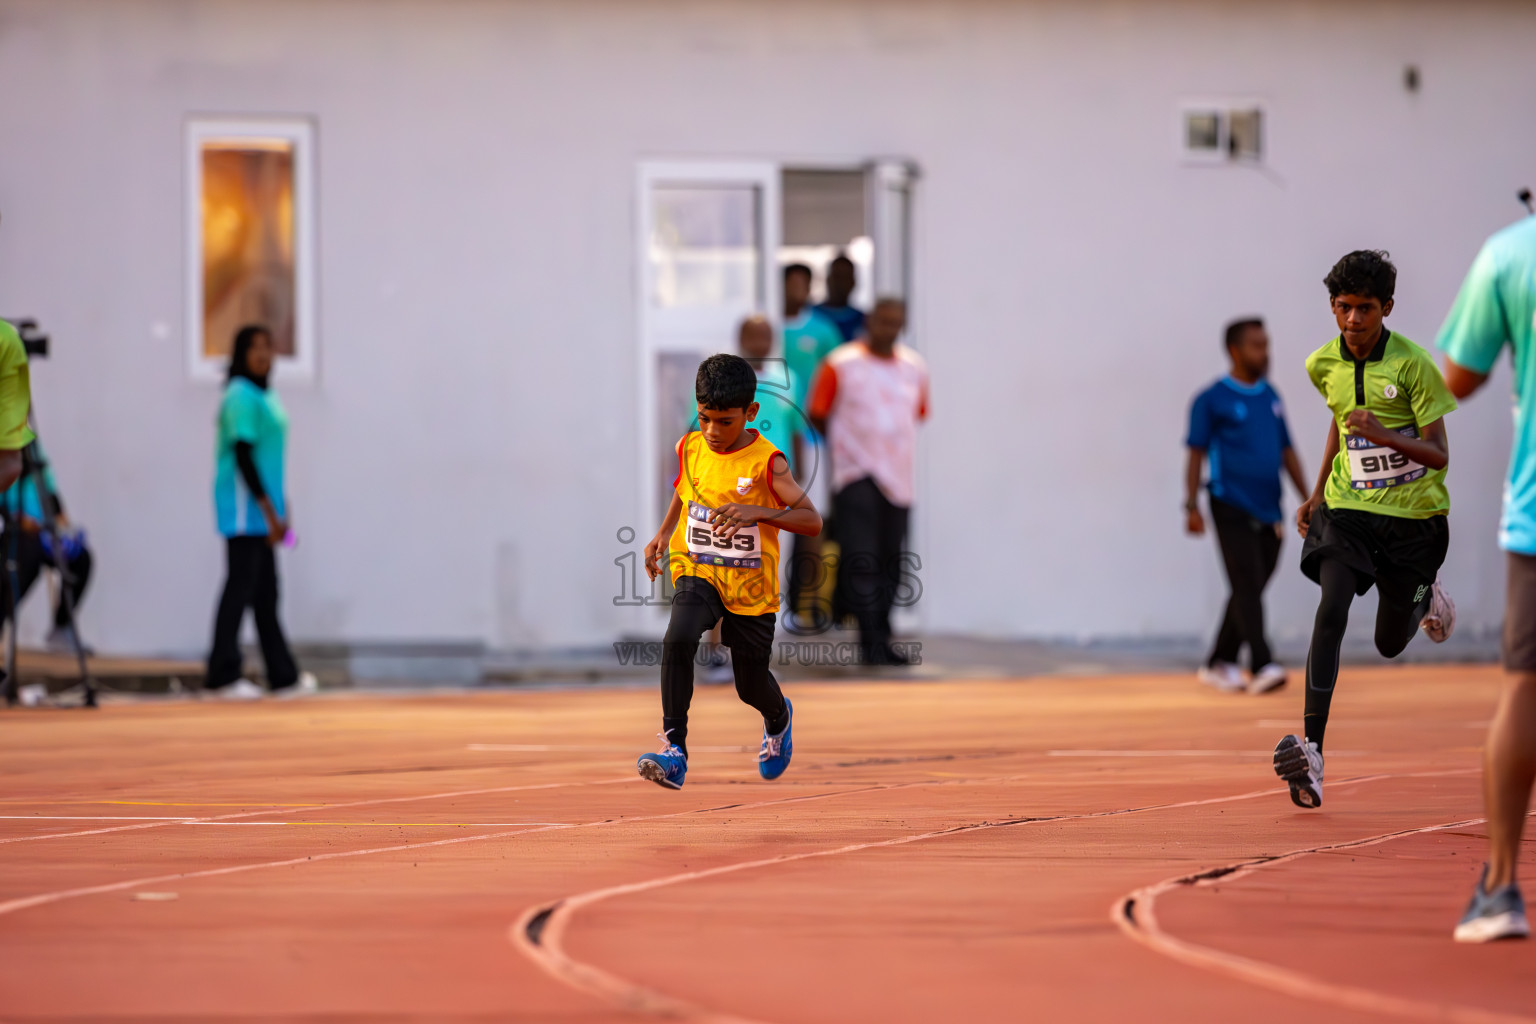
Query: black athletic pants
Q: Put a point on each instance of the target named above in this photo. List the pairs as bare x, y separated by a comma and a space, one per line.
251, 583
1249, 550
29, 563
696, 607
1397, 618
870, 534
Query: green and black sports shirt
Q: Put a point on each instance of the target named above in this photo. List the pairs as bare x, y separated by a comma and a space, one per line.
1400, 383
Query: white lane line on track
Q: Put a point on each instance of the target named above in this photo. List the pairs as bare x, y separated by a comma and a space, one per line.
1136, 917
1187, 753
40, 899
536, 748
539, 933
550, 921
380, 824
89, 817
317, 807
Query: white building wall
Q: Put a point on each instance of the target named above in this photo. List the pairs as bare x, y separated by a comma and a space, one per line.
465, 458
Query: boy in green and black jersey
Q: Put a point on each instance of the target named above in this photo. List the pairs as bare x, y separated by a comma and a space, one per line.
1378, 513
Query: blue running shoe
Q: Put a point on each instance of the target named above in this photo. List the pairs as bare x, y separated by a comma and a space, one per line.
1493, 915
667, 768
774, 756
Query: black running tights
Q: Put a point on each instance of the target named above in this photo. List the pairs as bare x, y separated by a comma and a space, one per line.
695, 608
1395, 626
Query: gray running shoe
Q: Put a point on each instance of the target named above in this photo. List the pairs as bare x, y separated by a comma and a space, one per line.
1440, 620
1493, 915
1300, 764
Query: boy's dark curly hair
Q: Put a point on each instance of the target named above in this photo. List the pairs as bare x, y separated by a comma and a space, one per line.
725, 382
1367, 272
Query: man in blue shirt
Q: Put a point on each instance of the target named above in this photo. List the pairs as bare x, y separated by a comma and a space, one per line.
842, 279
1239, 422
1497, 307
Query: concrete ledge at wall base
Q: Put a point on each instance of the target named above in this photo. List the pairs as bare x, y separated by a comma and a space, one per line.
390, 664
417, 664
456, 664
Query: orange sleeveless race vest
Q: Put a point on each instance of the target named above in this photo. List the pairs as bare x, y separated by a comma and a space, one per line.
744, 568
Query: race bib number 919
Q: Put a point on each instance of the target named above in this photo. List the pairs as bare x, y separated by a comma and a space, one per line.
741, 550
1372, 466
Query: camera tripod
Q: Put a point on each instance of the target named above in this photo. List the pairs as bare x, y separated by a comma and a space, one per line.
34, 468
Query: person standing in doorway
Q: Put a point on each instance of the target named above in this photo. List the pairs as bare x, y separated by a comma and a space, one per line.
1238, 424
1497, 307
809, 337
251, 505
868, 399
842, 279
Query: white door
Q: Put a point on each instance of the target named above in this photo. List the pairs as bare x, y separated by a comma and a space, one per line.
708, 238
888, 196
888, 186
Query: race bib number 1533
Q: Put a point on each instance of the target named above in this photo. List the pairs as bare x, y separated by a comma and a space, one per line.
741, 550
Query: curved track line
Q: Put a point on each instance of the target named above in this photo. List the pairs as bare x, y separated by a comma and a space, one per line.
540, 932
1136, 917
303, 808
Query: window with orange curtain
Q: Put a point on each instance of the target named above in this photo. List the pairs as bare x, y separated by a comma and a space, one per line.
248, 241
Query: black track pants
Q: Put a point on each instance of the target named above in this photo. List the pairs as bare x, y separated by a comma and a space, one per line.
1396, 621
696, 608
251, 583
1249, 550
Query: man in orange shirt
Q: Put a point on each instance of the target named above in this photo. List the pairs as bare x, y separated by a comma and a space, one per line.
868, 398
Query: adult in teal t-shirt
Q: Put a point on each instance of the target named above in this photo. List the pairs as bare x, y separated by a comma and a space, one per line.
251, 506
778, 418
1497, 307
808, 335
252, 425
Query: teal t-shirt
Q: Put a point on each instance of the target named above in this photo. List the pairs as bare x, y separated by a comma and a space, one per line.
807, 340
778, 418
257, 417
1497, 307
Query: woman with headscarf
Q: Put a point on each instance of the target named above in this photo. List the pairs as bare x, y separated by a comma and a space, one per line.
249, 500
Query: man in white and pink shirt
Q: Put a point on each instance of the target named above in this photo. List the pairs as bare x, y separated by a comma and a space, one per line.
868, 397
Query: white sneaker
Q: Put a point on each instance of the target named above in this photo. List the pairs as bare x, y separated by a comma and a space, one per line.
1441, 618
1270, 677
32, 695
307, 686
1300, 764
1223, 675
240, 689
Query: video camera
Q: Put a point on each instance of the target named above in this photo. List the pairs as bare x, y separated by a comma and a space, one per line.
32, 340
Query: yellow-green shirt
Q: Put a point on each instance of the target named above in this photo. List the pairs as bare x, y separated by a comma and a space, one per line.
1400, 383
15, 391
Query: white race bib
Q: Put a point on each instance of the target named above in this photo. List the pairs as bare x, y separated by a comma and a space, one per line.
1372, 466
741, 550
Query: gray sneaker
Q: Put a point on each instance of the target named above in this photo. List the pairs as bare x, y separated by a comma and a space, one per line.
1440, 621
1300, 764
1493, 915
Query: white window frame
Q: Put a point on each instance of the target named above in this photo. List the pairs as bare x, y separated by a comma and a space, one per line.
303, 365
1223, 108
